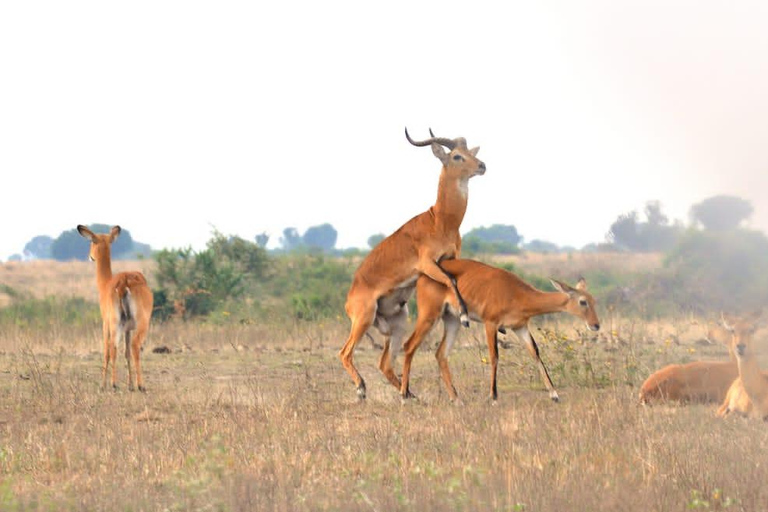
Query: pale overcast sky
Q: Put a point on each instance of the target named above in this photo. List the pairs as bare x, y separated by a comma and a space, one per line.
171, 118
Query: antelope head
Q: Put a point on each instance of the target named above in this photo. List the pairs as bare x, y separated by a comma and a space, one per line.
742, 330
458, 161
580, 303
100, 244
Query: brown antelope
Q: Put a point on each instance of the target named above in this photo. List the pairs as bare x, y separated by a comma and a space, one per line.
386, 278
125, 301
499, 299
748, 394
699, 381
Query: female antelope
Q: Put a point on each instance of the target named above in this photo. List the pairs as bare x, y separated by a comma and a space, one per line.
125, 301
499, 299
748, 394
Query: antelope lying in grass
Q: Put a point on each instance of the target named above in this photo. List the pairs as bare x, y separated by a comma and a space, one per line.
500, 300
748, 394
125, 301
386, 278
699, 381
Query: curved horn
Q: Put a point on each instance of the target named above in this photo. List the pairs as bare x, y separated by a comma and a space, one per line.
448, 143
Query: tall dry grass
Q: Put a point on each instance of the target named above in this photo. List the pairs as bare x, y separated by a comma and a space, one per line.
256, 417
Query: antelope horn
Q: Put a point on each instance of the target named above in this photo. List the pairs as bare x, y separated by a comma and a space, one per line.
448, 143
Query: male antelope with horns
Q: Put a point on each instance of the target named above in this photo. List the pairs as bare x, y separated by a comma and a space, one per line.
386, 278
125, 301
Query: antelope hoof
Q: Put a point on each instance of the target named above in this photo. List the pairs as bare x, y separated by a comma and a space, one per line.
502, 330
464, 320
361, 391
554, 397
142, 389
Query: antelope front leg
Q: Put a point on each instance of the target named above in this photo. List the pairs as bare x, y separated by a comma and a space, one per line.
525, 335
435, 272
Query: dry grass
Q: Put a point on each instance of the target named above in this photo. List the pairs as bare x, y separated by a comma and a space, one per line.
264, 418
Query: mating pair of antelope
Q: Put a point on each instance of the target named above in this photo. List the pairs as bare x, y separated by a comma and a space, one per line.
423, 255
738, 384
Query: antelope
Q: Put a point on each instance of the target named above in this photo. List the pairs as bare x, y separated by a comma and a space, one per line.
500, 300
699, 381
125, 301
748, 394
386, 278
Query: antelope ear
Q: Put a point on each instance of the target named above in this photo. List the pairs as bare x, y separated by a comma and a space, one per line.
581, 285
85, 232
440, 153
114, 233
561, 287
474, 151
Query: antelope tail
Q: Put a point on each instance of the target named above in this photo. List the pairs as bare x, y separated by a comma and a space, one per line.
125, 302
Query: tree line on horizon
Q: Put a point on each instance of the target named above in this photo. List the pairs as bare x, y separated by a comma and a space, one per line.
629, 232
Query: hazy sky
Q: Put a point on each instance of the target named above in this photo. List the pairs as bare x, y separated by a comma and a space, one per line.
172, 118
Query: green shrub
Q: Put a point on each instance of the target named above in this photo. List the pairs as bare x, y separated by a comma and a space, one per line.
313, 286
196, 283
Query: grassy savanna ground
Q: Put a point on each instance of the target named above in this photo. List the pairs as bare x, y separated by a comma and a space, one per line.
263, 417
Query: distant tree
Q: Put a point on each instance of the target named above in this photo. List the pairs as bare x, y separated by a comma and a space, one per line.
322, 237
655, 234
720, 213
262, 240
624, 232
496, 239
291, 240
541, 246
71, 246
39, 248
15, 257
375, 240
731, 262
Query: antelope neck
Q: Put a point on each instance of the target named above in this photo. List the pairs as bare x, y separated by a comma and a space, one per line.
545, 302
451, 204
103, 271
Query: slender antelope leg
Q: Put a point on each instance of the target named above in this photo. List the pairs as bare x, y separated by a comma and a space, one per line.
138, 341
361, 321
525, 335
463, 315
127, 337
424, 324
451, 329
493, 351
398, 325
105, 366
113, 356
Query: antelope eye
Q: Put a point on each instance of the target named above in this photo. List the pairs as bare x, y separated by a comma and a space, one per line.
583, 303
457, 158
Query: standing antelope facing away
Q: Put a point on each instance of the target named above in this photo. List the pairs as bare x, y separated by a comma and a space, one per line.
748, 394
500, 300
125, 301
386, 278
699, 381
